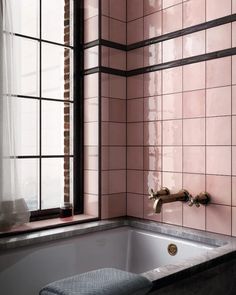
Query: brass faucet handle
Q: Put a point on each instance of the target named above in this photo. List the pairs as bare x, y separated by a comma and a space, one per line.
162, 192
201, 199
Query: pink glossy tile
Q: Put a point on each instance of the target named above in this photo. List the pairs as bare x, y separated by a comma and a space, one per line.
135, 205
135, 158
233, 191
90, 158
153, 25
152, 108
219, 187
91, 133
113, 110
194, 159
105, 82
117, 87
108, 208
234, 160
168, 3
117, 31
105, 56
218, 72
91, 110
152, 84
194, 104
194, 76
233, 130
194, 44
234, 34
234, 213
172, 180
218, 160
194, 183
233, 6
135, 59
194, 131
218, 219
172, 132
172, 106
217, 8
172, 159
218, 38
90, 8
172, 19
91, 29
151, 6
151, 180
91, 86
135, 110
91, 205
135, 86
152, 133
91, 57
135, 134
117, 59
149, 211
194, 12
218, 131
118, 9
172, 49
135, 181
134, 9
172, 213
152, 54
172, 80
105, 28
194, 217
113, 133
135, 31
152, 158
234, 100
113, 181
218, 101
234, 69
90, 182
113, 158
105, 7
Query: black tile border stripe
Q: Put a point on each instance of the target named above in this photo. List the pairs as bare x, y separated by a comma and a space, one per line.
163, 66
175, 34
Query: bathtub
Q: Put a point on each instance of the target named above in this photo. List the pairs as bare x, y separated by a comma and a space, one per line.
28, 262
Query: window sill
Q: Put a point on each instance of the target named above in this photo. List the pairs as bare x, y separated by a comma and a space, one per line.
47, 224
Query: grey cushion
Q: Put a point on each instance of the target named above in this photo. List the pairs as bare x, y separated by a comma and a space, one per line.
106, 281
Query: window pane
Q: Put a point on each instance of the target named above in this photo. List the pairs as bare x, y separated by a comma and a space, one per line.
56, 182
56, 72
26, 123
25, 17
28, 176
26, 66
57, 21
57, 128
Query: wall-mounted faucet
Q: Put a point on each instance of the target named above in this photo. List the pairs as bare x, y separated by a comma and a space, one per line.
163, 196
182, 195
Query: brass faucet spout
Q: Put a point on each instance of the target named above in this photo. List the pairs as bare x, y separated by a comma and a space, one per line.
182, 195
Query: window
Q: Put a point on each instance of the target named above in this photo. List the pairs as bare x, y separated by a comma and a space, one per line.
44, 93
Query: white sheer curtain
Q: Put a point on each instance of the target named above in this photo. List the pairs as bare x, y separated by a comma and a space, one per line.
13, 208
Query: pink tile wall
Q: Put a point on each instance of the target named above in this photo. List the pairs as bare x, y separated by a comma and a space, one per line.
181, 121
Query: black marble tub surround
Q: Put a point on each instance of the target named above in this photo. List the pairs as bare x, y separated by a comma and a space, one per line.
223, 252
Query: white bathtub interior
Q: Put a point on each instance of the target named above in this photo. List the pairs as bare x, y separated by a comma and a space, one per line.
24, 271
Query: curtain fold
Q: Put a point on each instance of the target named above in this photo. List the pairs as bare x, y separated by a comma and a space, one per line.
13, 208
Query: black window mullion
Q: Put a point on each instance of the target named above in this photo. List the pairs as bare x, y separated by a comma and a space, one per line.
40, 105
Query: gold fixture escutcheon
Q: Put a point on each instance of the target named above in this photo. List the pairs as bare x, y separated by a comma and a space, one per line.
172, 249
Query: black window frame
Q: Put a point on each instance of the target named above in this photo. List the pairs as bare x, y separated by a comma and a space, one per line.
78, 107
